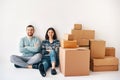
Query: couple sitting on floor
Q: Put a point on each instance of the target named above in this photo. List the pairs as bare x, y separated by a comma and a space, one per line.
38, 55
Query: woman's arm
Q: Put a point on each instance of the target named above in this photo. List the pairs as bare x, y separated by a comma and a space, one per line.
43, 48
57, 45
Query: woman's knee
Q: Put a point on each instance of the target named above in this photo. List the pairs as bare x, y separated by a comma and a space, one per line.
52, 52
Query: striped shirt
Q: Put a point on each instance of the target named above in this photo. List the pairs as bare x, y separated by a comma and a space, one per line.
46, 45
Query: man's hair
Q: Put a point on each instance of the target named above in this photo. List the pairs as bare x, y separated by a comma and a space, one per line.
54, 36
30, 26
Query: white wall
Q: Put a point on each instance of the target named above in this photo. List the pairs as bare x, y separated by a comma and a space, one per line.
103, 16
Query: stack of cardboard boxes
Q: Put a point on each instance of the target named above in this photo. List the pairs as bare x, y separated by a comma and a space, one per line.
102, 58
74, 61
82, 36
80, 52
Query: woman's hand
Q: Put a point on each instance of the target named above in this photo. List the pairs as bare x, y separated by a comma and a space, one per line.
48, 50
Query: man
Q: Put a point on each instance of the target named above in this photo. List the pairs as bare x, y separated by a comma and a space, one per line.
30, 49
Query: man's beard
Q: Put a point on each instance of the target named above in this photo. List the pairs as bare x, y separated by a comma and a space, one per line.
30, 34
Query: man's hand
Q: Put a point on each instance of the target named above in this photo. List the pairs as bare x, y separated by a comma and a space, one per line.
36, 45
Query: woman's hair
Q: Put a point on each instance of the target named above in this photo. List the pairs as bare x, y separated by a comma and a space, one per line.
54, 36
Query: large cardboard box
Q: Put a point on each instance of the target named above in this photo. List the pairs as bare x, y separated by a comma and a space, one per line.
74, 62
69, 44
78, 26
83, 36
110, 51
68, 37
97, 48
109, 63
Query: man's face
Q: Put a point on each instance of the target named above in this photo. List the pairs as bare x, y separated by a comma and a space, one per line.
30, 31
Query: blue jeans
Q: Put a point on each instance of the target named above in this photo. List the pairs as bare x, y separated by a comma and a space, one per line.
47, 60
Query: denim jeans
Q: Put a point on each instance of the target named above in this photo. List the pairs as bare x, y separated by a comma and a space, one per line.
47, 60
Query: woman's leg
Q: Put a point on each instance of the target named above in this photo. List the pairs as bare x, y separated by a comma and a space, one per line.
44, 65
53, 62
53, 58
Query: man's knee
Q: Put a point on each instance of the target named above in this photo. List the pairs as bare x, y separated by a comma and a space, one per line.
39, 55
12, 58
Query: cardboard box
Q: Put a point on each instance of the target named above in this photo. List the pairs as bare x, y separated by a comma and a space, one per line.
74, 62
105, 68
109, 63
83, 36
78, 26
110, 51
68, 37
83, 42
69, 44
108, 60
97, 48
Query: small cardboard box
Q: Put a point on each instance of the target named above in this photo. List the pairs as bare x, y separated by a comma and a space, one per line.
97, 48
110, 51
78, 26
68, 37
109, 63
74, 62
69, 44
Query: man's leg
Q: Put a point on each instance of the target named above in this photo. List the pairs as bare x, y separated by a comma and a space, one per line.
35, 59
19, 60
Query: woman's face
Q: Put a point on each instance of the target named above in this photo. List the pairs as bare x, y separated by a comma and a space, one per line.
50, 33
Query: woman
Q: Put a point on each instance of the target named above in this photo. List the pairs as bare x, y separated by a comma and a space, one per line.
49, 49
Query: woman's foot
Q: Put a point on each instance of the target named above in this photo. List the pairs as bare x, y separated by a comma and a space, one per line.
53, 72
41, 69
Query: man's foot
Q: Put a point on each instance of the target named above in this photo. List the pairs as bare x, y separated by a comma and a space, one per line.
35, 66
53, 72
41, 69
17, 66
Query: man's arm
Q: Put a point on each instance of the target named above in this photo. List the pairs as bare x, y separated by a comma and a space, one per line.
36, 47
22, 47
